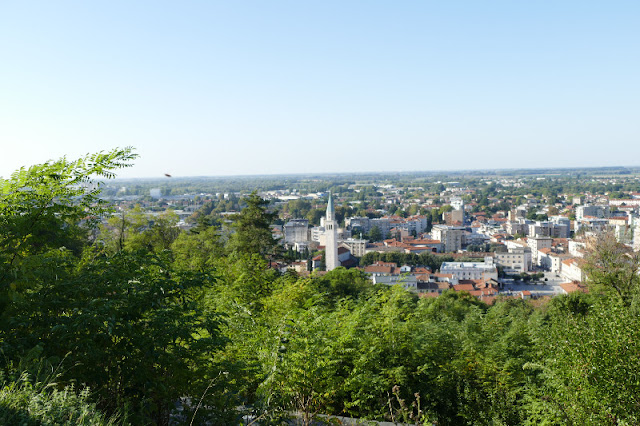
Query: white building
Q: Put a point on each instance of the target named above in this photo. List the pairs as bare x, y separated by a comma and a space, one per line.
471, 270
515, 261
592, 225
537, 244
414, 224
636, 238
331, 235
577, 248
571, 270
518, 225
457, 203
319, 234
408, 281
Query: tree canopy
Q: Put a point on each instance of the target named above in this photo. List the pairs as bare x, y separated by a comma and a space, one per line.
138, 322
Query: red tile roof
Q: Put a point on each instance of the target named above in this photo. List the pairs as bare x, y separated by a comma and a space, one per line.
464, 287
572, 286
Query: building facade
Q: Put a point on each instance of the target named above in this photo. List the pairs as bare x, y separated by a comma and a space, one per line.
296, 231
451, 237
471, 270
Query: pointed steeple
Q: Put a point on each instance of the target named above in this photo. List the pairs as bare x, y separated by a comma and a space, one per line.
330, 209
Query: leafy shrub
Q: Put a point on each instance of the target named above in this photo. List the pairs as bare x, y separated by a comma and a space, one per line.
23, 403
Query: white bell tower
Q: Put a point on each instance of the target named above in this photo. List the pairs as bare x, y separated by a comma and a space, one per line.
331, 233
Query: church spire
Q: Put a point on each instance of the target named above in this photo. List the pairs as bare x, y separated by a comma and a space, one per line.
331, 237
330, 209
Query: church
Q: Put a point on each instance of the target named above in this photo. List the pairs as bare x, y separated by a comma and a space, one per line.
331, 234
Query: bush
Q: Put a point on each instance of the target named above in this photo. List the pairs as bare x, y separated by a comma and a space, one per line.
22, 403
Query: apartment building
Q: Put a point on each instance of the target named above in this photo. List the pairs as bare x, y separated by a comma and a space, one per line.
596, 211
296, 231
515, 261
452, 237
536, 244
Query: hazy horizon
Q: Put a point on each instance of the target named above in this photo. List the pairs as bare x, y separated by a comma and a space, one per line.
480, 172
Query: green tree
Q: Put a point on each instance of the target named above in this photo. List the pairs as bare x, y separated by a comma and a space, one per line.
125, 324
197, 251
613, 267
136, 229
49, 207
252, 228
341, 283
303, 364
132, 328
590, 367
315, 215
375, 234
52, 205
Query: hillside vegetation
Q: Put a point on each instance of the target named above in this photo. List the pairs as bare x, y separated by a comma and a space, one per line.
137, 323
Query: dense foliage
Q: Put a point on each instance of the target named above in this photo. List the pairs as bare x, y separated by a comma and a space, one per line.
135, 322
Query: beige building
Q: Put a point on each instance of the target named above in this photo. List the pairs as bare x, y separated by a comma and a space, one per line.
454, 217
516, 260
451, 237
357, 247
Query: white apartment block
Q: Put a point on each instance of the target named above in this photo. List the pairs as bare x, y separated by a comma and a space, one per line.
636, 238
516, 260
550, 229
471, 270
635, 202
562, 226
551, 261
517, 227
357, 222
556, 261
539, 229
536, 244
475, 238
383, 224
592, 225
417, 224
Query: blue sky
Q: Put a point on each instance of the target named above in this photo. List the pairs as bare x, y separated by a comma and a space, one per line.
254, 87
